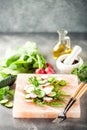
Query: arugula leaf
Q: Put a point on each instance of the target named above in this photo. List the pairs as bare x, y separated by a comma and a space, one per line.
54, 103
62, 83
34, 81
52, 80
39, 93
38, 101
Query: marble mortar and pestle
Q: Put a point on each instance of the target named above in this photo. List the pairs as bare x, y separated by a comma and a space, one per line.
68, 62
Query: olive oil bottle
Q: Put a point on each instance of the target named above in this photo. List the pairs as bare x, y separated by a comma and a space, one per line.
63, 46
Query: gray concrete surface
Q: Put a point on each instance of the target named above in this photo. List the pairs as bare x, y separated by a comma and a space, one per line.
45, 42
43, 15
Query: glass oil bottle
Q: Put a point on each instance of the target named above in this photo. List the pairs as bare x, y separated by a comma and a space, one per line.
63, 46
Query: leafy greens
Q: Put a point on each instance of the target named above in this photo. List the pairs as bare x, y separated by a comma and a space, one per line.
24, 60
81, 72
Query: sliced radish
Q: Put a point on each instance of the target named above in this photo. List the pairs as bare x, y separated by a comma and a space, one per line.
48, 99
47, 84
26, 87
48, 89
29, 88
27, 96
49, 70
52, 94
29, 100
42, 81
44, 76
30, 95
33, 95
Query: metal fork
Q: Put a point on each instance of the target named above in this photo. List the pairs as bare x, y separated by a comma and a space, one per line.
77, 94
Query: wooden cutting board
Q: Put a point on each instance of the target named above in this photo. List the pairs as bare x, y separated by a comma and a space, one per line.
23, 109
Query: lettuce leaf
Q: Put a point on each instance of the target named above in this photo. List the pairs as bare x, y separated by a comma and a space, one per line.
24, 60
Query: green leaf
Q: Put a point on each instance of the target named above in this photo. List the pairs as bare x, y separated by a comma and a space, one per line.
25, 60
41, 61
38, 101
54, 104
62, 82
3, 92
52, 80
12, 59
34, 81
75, 71
39, 93
81, 72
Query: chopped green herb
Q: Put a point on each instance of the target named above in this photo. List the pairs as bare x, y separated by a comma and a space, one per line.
52, 94
62, 83
51, 80
34, 81
54, 103
38, 101
39, 93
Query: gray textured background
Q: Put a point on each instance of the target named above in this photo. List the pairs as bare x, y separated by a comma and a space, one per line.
43, 15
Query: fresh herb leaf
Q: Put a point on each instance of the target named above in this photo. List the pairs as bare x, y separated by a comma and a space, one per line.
75, 71
12, 59
52, 80
34, 81
38, 101
54, 103
81, 72
62, 83
39, 93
